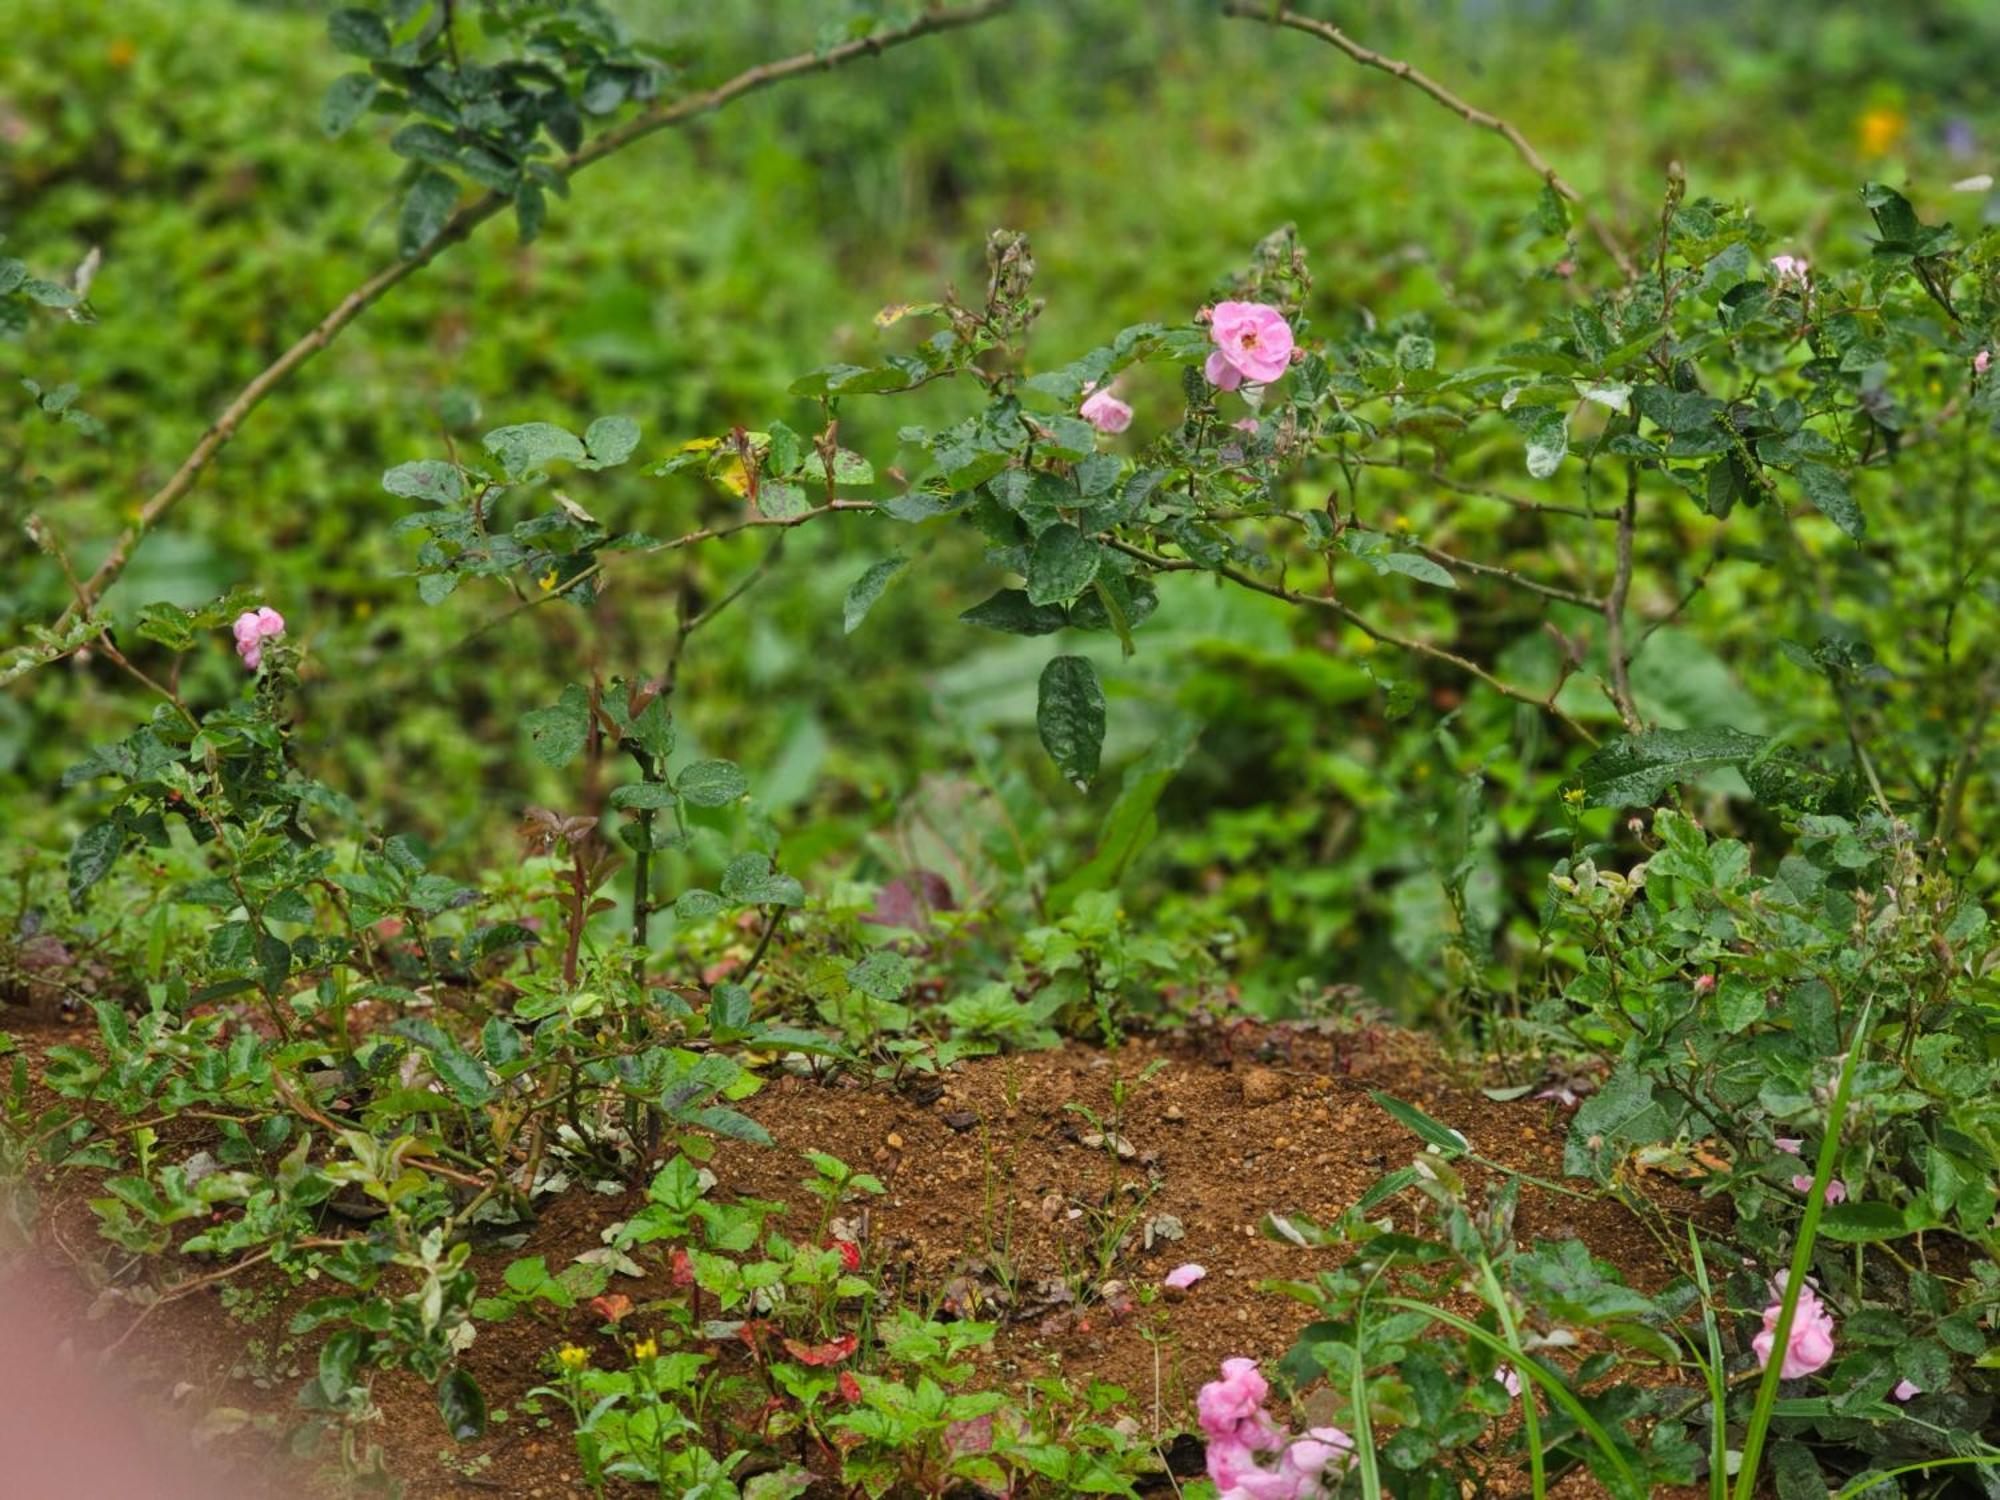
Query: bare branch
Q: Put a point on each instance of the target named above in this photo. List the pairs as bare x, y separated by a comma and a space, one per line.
1365, 626
1261, 10
461, 224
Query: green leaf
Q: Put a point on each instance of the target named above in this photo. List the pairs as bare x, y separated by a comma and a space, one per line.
1635, 769
1062, 565
460, 1072
695, 904
427, 207
1826, 491
642, 796
1415, 565
1863, 1223
528, 446
359, 33
1010, 611
1430, 1131
560, 730
1069, 713
346, 100
882, 975
782, 500
750, 881
90, 858
711, 783
611, 440
462, 1405
868, 588
1546, 432
429, 479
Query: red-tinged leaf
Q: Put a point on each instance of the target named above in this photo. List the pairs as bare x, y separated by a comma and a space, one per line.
822, 1354
850, 1388
612, 1307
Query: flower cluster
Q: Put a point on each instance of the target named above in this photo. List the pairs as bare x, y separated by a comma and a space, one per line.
254, 627
1239, 1429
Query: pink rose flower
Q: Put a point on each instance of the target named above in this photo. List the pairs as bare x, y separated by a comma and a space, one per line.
1239, 1430
252, 628
1180, 1278
1906, 1389
1982, 361
1791, 267
1253, 338
1221, 373
1105, 411
1811, 1343
1247, 424
1836, 1190
1238, 1397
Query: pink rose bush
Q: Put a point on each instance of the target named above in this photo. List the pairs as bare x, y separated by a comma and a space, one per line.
1104, 411
1810, 1345
1239, 1430
252, 628
1253, 343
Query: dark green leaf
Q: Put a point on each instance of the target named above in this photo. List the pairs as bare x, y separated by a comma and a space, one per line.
427, 208
1069, 713
462, 1405
868, 588
1062, 565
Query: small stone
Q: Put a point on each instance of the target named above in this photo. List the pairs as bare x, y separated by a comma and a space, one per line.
1264, 1086
895, 1141
1175, 1115
961, 1119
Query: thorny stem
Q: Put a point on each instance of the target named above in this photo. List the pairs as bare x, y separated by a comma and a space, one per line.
1262, 10
459, 227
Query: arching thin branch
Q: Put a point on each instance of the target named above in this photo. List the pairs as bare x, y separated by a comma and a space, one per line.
660, 116
1262, 10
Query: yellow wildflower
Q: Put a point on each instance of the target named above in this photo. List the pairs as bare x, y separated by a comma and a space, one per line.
571, 1358
644, 1349
1881, 127
547, 580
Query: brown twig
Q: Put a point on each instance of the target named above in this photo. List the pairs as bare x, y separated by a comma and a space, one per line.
1614, 608
1365, 626
459, 227
1262, 10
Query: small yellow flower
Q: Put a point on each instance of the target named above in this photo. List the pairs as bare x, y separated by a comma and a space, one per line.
1573, 795
1881, 128
571, 1358
547, 580
1402, 524
644, 1349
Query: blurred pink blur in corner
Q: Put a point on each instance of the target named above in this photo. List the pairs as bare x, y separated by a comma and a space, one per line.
69, 1432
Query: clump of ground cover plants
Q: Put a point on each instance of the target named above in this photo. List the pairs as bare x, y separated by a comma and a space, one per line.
311, 1050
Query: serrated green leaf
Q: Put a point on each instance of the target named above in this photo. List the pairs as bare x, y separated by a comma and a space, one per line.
427, 207
1069, 714
867, 589
1062, 565
559, 731
711, 783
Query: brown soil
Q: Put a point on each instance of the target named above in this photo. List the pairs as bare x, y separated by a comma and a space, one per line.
990, 1187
